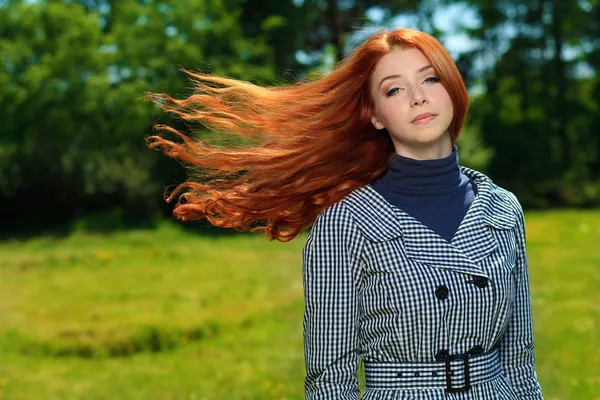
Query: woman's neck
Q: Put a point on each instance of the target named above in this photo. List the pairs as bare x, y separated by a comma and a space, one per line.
423, 177
432, 151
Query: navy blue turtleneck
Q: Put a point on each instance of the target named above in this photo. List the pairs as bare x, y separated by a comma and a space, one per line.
434, 192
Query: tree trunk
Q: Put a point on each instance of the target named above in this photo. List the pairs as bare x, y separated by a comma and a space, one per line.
561, 83
335, 29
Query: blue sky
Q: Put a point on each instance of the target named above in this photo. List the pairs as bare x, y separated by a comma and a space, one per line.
445, 18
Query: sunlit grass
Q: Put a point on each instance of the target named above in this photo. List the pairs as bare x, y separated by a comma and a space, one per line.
564, 258
168, 314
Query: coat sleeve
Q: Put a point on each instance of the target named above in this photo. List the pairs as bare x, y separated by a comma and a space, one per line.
331, 279
516, 346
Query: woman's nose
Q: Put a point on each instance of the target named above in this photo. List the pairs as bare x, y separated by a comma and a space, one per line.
418, 98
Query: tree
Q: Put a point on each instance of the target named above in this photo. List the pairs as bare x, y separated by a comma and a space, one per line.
74, 123
537, 109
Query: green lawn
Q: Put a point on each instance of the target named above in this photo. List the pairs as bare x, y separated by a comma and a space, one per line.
169, 314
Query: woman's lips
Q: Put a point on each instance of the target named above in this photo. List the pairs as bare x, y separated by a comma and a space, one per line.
424, 120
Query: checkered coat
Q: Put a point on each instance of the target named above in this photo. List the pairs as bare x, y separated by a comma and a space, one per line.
370, 272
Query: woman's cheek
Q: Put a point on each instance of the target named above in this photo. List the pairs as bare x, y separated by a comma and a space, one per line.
392, 111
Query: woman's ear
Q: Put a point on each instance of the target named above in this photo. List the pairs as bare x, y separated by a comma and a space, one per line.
376, 122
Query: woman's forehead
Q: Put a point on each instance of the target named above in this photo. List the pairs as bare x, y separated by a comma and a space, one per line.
401, 61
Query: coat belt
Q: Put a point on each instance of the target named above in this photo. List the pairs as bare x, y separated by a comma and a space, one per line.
452, 372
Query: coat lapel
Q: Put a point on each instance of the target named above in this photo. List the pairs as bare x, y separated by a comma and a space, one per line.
474, 240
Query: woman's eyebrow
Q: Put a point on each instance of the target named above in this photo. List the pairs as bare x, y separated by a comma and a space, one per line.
400, 75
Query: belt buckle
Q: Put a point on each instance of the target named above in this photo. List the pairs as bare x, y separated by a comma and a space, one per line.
467, 386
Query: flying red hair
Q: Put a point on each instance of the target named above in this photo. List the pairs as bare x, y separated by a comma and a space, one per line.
314, 140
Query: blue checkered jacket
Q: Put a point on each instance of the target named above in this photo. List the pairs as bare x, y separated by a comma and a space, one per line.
370, 273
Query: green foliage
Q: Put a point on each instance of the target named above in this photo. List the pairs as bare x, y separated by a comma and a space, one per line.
73, 74
473, 153
538, 109
73, 119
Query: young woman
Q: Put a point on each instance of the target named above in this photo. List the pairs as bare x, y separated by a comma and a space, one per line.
414, 264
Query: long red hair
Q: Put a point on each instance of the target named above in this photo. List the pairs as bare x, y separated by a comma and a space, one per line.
313, 140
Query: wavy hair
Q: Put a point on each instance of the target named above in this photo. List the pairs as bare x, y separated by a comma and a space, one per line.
312, 141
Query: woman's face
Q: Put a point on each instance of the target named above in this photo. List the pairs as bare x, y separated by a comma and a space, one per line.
404, 86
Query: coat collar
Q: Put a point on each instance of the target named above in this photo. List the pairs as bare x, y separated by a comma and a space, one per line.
380, 221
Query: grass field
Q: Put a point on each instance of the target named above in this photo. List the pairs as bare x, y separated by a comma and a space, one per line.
169, 314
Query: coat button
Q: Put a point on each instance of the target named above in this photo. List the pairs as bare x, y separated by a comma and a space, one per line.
441, 292
477, 349
442, 355
480, 281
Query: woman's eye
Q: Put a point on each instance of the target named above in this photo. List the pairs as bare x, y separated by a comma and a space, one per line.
432, 79
392, 91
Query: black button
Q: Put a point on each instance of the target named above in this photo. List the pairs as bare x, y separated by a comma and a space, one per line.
434, 373
417, 374
477, 349
442, 355
480, 281
441, 292
399, 374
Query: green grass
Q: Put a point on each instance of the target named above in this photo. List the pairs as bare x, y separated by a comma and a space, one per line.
168, 314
